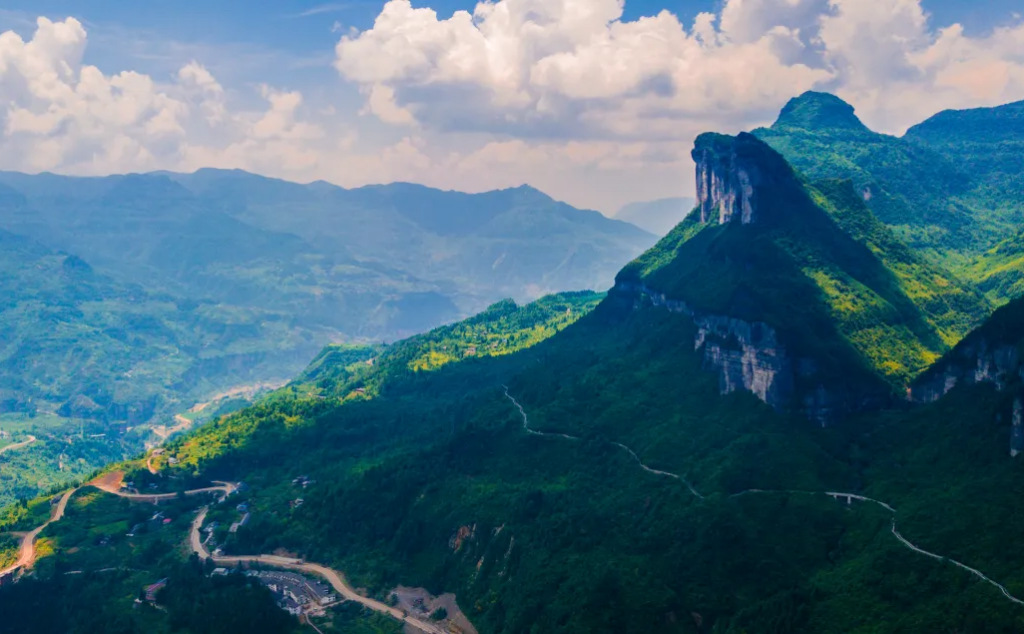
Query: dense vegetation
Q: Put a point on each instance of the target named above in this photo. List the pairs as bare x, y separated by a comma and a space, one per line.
821, 270
127, 300
629, 494
435, 483
951, 187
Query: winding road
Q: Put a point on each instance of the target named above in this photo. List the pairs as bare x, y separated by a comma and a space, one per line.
835, 494
28, 542
26, 443
335, 578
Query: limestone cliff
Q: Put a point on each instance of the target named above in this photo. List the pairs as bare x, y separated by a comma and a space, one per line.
977, 360
991, 354
747, 356
727, 181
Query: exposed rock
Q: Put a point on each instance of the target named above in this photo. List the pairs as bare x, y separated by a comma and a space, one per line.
726, 182
746, 356
1017, 432
975, 362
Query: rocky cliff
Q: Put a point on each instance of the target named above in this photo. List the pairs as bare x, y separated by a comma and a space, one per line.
991, 354
727, 181
747, 356
977, 360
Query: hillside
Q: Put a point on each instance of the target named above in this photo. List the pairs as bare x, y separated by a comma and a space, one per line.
949, 187
618, 469
130, 300
989, 144
840, 296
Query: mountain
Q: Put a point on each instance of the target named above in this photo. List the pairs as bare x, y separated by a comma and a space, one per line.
913, 189
650, 461
382, 261
988, 143
840, 294
950, 187
657, 216
476, 248
130, 300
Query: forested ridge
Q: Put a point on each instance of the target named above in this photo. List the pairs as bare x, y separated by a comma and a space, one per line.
620, 462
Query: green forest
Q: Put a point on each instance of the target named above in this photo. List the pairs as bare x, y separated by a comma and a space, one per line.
800, 422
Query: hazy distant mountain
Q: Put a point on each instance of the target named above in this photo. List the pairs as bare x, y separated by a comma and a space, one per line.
303, 265
129, 298
656, 216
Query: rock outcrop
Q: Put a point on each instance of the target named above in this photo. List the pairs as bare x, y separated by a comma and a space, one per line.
992, 354
726, 181
747, 357
1017, 431
976, 361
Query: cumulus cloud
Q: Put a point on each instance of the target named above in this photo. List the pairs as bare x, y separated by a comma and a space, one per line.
574, 69
564, 94
62, 115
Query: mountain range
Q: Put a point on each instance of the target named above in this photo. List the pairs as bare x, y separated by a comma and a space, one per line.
799, 412
130, 299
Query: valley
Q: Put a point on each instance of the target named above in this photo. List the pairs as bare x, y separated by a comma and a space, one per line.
133, 301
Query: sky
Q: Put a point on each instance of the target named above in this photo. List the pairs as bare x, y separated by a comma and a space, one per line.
596, 102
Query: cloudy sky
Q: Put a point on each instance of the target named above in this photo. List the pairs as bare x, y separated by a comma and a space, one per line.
594, 101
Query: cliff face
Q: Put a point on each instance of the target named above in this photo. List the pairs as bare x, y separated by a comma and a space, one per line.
726, 182
976, 361
994, 353
746, 356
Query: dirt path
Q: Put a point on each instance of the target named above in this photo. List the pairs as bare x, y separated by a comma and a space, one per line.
834, 494
111, 483
333, 577
28, 542
16, 446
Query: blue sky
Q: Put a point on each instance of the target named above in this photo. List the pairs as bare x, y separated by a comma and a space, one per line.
303, 31
599, 113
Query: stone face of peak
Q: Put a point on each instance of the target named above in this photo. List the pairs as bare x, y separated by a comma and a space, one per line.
819, 111
737, 175
726, 181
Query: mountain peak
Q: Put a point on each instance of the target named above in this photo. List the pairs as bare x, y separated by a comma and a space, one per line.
819, 110
731, 174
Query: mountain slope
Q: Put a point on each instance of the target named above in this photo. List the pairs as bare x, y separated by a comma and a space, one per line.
913, 189
478, 248
989, 144
618, 469
626, 496
767, 249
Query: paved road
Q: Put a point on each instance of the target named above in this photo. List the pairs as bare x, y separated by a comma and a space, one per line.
335, 578
834, 494
31, 439
227, 488
28, 542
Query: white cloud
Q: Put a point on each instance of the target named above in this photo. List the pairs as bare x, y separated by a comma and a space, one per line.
562, 94
573, 69
564, 68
